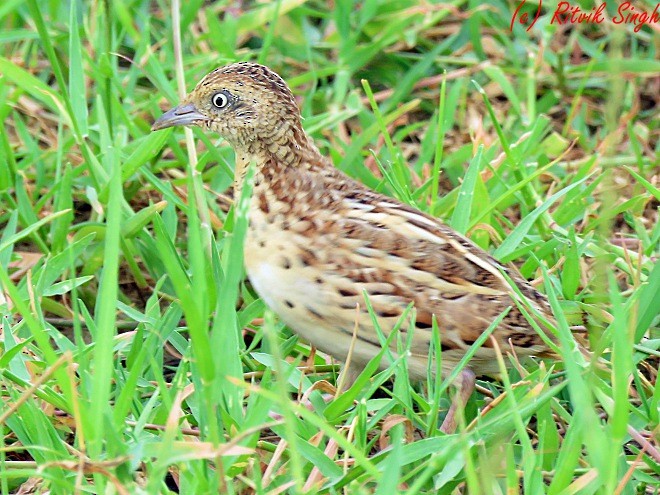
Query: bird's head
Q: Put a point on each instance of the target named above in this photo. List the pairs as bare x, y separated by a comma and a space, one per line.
248, 104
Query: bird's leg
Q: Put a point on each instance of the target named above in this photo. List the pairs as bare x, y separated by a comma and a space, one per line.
465, 384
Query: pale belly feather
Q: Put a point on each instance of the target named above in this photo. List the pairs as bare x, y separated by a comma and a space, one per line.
298, 291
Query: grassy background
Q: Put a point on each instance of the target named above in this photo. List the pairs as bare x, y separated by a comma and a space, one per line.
126, 365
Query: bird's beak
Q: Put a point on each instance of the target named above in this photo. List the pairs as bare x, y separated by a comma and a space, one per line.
184, 114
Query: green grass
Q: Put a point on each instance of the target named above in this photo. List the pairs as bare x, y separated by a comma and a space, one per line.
134, 358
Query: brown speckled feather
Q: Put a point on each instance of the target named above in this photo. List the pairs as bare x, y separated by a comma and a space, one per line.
318, 240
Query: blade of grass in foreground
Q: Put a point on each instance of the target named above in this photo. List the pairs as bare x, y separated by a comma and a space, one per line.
105, 313
518, 234
76, 72
460, 219
225, 335
622, 332
584, 418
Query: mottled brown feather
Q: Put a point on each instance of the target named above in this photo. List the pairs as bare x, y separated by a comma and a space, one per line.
318, 240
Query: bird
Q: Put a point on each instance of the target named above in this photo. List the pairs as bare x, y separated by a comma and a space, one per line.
319, 244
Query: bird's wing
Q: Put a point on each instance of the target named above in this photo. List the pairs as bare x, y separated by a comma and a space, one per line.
399, 255
443, 272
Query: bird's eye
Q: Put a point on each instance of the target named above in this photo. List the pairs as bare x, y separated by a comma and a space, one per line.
220, 100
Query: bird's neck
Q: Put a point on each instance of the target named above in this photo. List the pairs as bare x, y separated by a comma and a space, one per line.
294, 150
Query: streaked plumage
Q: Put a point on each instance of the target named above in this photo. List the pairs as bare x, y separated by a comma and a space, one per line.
317, 239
